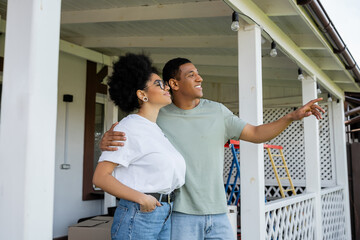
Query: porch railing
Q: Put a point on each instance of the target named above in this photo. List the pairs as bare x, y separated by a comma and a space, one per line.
291, 218
333, 213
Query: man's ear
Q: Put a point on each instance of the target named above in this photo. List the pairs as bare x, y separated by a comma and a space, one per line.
173, 83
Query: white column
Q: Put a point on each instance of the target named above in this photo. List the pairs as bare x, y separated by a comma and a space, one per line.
251, 155
341, 157
28, 119
312, 153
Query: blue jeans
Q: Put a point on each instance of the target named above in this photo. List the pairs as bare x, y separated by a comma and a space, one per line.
131, 223
199, 227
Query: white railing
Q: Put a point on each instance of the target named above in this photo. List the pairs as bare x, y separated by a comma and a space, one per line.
333, 213
291, 218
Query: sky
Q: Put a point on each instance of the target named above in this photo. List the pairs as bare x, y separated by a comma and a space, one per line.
345, 15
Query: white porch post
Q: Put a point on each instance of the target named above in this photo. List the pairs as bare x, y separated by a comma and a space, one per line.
251, 155
312, 153
341, 158
28, 119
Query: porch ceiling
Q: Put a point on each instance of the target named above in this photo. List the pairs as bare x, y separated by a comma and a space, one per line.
196, 29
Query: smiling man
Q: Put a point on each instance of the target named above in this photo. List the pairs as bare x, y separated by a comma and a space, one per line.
199, 128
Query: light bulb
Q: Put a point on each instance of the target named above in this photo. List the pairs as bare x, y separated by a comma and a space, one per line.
235, 22
300, 75
318, 90
235, 26
329, 98
273, 52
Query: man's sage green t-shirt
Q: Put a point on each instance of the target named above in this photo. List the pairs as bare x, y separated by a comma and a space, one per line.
199, 134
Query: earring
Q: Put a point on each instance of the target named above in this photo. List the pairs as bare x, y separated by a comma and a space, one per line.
145, 99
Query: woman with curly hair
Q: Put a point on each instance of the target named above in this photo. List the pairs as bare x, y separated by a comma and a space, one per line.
147, 169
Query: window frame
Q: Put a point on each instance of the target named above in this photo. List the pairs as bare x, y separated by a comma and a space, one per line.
94, 85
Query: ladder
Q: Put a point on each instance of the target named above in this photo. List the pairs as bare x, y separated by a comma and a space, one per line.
275, 167
235, 165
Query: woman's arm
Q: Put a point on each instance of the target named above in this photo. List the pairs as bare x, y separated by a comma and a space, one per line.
104, 179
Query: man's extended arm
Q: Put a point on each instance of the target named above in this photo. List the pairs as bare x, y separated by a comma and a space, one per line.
266, 132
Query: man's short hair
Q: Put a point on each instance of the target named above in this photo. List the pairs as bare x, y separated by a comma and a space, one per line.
172, 68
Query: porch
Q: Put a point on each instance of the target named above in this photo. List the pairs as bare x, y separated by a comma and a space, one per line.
47, 58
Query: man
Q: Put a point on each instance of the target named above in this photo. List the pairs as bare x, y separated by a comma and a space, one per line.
199, 128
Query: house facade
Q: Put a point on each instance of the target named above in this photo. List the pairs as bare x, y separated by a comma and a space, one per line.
54, 105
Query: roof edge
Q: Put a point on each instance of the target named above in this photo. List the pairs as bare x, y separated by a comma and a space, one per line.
321, 18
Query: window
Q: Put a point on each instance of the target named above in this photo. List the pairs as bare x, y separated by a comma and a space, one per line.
100, 107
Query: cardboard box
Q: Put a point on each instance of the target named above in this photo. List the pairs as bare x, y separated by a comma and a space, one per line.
97, 228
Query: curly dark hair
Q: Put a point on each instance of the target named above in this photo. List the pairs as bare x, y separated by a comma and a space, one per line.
130, 73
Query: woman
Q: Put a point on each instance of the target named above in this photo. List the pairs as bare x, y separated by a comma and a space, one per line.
147, 169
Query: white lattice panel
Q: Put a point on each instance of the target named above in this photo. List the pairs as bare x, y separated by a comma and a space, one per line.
292, 140
295, 221
274, 191
333, 215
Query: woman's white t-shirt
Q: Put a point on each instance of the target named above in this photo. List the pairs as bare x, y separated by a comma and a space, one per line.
148, 162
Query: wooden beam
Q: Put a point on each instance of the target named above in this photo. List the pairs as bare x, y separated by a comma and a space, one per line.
225, 41
278, 8
205, 9
221, 60
307, 42
327, 63
101, 74
85, 53
214, 71
209, 60
1, 64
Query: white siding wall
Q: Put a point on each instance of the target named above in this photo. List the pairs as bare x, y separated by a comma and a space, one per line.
69, 207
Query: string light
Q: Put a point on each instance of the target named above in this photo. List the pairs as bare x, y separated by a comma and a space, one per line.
273, 52
318, 89
329, 98
235, 22
300, 74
